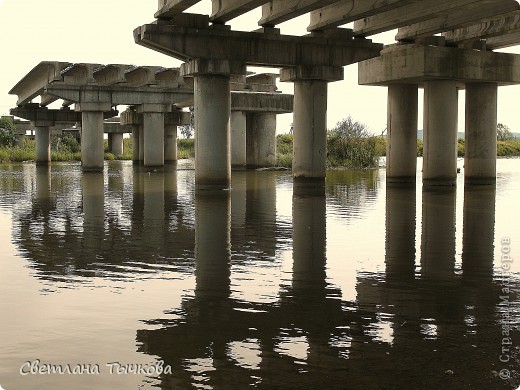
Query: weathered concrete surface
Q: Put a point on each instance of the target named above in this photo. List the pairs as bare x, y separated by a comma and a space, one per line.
43, 144
481, 133
115, 143
417, 63
252, 48
261, 140
92, 150
212, 138
401, 146
440, 132
310, 130
238, 138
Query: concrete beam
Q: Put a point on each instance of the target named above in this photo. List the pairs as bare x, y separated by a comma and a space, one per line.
262, 82
111, 74
279, 11
140, 76
32, 83
414, 64
502, 28
80, 74
262, 102
170, 8
458, 18
119, 95
410, 14
343, 12
35, 113
253, 48
225, 10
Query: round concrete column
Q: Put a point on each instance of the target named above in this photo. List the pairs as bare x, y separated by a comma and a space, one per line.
440, 132
238, 138
141, 143
401, 148
153, 123
116, 143
43, 144
212, 135
481, 133
170, 143
310, 130
92, 150
135, 144
261, 140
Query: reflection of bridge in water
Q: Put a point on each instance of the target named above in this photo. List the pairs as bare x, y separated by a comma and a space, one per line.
425, 307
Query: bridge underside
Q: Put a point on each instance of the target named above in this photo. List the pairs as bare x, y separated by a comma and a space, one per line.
441, 46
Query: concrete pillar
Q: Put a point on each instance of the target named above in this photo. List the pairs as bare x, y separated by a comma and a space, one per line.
481, 133
20, 140
310, 130
43, 143
212, 111
115, 141
261, 140
135, 144
212, 134
401, 148
310, 118
440, 132
238, 138
170, 142
153, 127
141, 143
92, 148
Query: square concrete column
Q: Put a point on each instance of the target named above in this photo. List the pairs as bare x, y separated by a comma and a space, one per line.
212, 109
170, 143
238, 139
481, 133
440, 132
310, 119
92, 149
115, 143
43, 141
141, 143
135, 143
153, 132
261, 140
401, 146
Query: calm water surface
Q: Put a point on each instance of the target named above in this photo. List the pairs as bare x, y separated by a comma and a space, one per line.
269, 285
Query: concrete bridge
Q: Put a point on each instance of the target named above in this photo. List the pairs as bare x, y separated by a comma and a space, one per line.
155, 98
441, 46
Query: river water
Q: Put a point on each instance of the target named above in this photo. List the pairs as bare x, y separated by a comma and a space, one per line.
134, 280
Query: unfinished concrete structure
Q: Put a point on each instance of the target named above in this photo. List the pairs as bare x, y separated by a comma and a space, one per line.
155, 97
471, 29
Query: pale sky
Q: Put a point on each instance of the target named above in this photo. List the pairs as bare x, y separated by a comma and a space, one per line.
100, 31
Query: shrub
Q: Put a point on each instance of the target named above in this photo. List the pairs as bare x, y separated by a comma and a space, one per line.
7, 132
185, 148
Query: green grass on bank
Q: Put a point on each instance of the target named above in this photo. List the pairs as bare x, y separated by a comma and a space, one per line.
351, 153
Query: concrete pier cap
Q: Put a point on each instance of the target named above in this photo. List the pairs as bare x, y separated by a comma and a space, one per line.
441, 71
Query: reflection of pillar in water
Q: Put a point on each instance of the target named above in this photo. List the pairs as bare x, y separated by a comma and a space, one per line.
261, 209
43, 183
154, 219
170, 186
115, 177
438, 233
309, 235
400, 232
212, 243
478, 232
239, 199
93, 213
